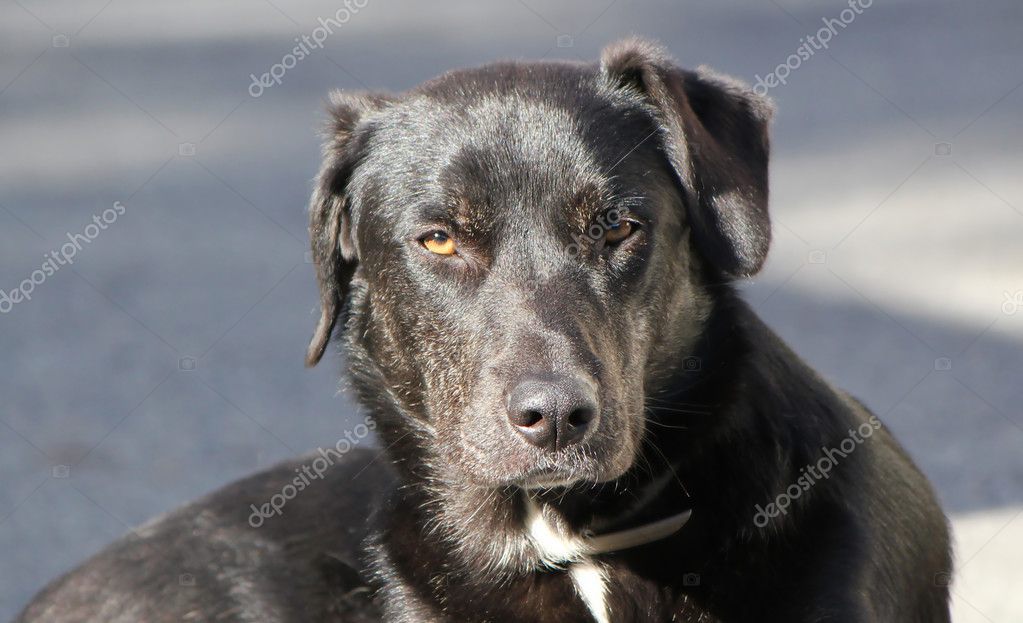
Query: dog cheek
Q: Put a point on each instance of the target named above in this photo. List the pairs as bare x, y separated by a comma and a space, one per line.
477, 454
375, 339
470, 439
634, 416
436, 358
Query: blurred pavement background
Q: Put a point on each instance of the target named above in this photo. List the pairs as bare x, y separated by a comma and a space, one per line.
167, 359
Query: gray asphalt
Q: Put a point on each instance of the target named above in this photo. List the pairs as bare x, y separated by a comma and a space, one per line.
166, 360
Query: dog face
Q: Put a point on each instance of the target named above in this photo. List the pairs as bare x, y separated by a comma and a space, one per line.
524, 252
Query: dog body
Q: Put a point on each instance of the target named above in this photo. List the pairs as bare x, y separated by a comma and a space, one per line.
531, 264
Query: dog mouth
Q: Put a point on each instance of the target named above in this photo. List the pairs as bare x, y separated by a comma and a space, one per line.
576, 470
546, 479
529, 472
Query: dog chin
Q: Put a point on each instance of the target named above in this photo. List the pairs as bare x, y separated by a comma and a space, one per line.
548, 481
588, 474
587, 466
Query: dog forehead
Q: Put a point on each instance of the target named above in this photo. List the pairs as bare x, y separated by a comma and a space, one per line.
539, 109
514, 135
493, 145
494, 128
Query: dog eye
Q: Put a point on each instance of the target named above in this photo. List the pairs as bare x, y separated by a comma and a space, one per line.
439, 242
618, 232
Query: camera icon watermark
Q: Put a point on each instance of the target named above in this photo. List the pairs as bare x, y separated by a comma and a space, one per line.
565, 41
60, 471
186, 149
943, 149
691, 579
186, 579
61, 40
692, 364
187, 364
817, 256
1013, 302
943, 578
943, 363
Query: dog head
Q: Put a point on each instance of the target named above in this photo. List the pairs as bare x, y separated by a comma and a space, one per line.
520, 254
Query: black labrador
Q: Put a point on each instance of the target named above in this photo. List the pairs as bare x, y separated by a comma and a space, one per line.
531, 266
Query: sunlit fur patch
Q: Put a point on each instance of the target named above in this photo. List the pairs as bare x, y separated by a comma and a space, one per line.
591, 583
554, 546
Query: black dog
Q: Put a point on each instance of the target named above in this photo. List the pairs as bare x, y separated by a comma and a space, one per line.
531, 263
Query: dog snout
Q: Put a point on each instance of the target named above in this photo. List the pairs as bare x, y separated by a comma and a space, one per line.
552, 411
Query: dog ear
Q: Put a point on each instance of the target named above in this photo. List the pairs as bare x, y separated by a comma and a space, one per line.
714, 131
330, 230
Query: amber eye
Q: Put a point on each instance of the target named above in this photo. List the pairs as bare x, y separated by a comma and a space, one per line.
440, 243
618, 232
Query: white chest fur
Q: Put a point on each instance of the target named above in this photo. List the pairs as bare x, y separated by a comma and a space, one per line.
590, 581
558, 549
555, 546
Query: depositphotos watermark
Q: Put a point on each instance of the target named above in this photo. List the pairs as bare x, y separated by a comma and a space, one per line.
55, 260
810, 45
815, 472
309, 472
605, 222
306, 44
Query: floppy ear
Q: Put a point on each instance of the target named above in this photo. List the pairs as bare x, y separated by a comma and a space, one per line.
714, 133
330, 231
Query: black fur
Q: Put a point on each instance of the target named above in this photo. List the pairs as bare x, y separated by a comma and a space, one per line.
700, 405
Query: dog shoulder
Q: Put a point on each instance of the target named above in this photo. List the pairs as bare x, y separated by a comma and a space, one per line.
891, 514
263, 548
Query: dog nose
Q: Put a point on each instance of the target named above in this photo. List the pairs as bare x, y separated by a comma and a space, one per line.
552, 412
